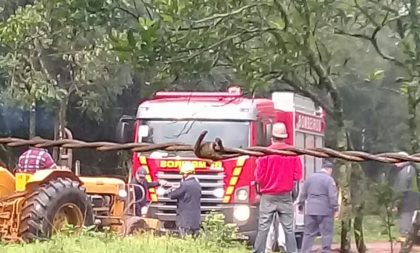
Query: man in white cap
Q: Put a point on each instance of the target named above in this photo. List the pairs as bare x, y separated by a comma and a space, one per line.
276, 176
406, 184
188, 196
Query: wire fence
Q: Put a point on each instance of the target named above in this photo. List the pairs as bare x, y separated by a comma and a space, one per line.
211, 150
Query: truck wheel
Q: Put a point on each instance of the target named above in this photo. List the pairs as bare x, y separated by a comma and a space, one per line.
55, 204
133, 225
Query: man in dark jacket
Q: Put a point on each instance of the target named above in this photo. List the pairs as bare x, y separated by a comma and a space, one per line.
188, 196
406, 184
141, 189
319, 197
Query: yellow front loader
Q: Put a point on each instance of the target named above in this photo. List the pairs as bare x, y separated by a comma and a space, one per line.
35, 206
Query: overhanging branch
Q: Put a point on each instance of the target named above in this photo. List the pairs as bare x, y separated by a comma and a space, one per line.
309, 94
225, 15
299, 88
373, 40
217, 44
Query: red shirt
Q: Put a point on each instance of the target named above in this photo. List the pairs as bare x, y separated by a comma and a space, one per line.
35, 159
276, 173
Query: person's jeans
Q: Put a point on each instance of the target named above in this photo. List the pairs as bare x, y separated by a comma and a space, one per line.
269, 206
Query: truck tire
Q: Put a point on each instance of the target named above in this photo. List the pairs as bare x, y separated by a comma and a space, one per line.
52, 206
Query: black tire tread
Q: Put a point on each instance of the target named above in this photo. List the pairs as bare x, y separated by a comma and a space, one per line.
134, 224
34, 211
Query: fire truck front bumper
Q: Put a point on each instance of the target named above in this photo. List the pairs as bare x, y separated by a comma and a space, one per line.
243, 215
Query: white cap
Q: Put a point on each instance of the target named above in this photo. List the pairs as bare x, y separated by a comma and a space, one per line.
279, 130
403, 153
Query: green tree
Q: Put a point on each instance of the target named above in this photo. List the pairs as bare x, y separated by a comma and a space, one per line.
372, 21
57, 53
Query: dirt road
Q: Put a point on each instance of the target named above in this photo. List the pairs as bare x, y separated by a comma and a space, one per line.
379, 247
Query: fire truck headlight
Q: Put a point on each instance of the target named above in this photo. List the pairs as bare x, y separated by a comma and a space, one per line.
122, 193
219, 192
241, 212
160, 191
242, 194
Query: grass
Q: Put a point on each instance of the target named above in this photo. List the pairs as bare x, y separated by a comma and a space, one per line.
372, 229
101, 244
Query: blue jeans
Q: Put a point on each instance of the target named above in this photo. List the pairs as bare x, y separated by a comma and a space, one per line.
269, 206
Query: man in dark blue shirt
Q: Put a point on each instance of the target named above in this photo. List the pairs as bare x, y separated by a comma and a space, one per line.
188, 196
319, 197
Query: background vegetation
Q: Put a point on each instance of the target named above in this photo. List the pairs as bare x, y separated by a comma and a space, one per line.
84, 63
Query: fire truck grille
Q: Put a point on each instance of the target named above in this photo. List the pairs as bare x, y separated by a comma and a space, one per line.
166, 207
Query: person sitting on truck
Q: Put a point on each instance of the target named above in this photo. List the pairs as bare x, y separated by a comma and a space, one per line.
141, 189
276, 176
188, 196
35, 159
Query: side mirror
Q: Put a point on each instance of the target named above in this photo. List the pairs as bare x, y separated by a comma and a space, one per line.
125, 129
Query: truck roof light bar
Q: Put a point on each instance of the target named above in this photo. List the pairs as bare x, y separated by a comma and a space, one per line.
233, 92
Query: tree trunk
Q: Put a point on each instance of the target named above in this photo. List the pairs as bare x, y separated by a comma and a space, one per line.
412, 118
56, 135
61, 126
345, 239
412, 125
358, 191
412, 101
344, 180
62, 114
358, 230
32, 121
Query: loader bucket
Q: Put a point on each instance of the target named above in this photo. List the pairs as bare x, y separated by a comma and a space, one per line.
7, 183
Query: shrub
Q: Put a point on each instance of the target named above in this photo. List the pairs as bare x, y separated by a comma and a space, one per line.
216, 231
387, 200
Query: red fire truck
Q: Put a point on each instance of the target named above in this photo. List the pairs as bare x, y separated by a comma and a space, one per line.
228, 186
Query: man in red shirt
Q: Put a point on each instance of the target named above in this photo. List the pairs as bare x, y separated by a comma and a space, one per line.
276, 176
35, 159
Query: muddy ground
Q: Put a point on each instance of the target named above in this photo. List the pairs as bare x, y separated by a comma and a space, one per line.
378, 247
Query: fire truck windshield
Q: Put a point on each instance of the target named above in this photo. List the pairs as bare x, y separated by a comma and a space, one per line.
233, 133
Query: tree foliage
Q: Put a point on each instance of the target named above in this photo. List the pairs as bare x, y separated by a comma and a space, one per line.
56, 53
79, 56
399, 20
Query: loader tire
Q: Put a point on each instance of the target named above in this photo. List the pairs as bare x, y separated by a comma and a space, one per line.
53, 205
133, 225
